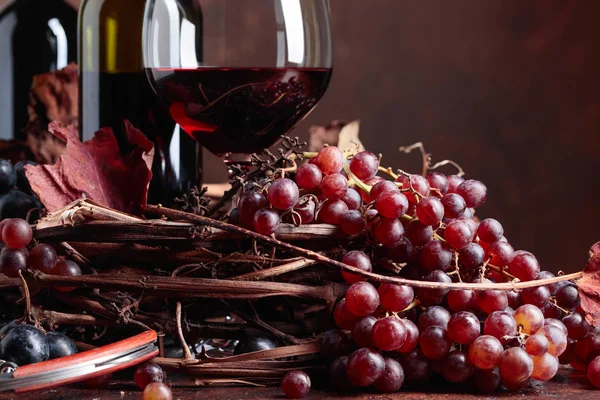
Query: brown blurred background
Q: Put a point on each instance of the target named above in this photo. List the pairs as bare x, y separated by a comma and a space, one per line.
509, 89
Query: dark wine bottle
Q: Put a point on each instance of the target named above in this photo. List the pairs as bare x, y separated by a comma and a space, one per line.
114, 87
36, 36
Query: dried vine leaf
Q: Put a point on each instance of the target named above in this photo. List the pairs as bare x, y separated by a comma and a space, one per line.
96, 170
336, 133
589, 286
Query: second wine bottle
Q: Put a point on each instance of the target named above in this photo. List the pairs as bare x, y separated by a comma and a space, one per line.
114, 87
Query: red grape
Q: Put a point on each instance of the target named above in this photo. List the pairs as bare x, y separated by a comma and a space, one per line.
453, 182
433, 316
146, 374
471, 256
500, 324
556, 337
524, 266
491, 300
438, 181
544, 367
436, 255
157, 391
462, 300
338, 376
66, 268
335, 343
458, 234
416, 183
352, 199
250, 202
381, 187
362, 299
365, 366
418, 233
364, 165
387, 231
474, 192
330, 160
331, 211
485, 352
306, 210
537, 344
352, 222
361, 331
487, 380
577, 326
334, 187
557, 323
395, 298
500, 253
412, 336
392, 378
308, 176
530, 318
588, 348
266, 221
457, 367
435, 343
42, 258
359, 260
463, 327
538, 296
388, 334
283, 194
391, 204
295, 384
342, 317
454, 205
417, 367
429, 297
430, 211
516, 367
490, 230
16, 233
593, 372
12, 261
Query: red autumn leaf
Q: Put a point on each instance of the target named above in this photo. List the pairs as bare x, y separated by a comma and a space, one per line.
96, 170
589, 287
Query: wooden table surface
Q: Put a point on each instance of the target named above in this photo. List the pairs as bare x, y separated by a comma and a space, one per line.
567, 384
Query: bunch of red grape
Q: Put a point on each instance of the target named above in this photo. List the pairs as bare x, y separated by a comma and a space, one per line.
424, 228
16, 234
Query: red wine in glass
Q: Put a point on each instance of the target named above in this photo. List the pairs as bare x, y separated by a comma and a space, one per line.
239, 110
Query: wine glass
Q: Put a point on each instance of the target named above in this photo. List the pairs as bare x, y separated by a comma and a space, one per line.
236, 75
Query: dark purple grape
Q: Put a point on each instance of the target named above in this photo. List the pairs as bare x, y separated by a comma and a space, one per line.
418, 233
568, 297
60, 345
457, 367
8, 178
22, 181
332, 211
471, 256
24, 345
433, 316
252, 343
429, 297
361, 332
12, 261
388, 231
436, 255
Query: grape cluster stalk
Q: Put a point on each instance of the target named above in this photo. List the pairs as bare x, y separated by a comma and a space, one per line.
424, 228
